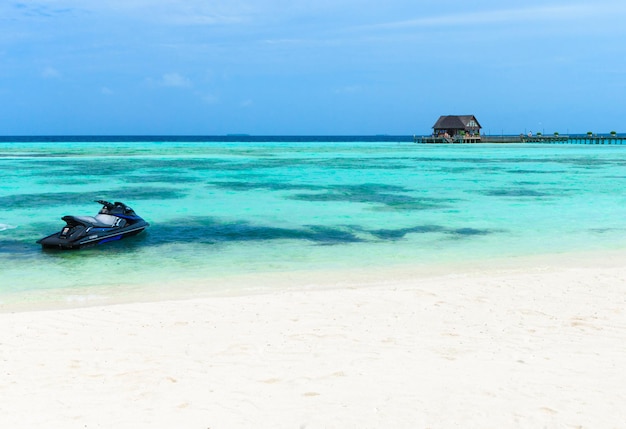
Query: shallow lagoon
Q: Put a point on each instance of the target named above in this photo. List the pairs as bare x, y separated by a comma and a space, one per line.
220, 209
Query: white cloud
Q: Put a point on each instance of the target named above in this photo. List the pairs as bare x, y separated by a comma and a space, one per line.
349, 89
209, 98
174, 80
50, 73
200, 18
169, 80
529, 14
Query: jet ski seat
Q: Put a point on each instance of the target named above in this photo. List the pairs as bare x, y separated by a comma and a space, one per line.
100, 220
106, 219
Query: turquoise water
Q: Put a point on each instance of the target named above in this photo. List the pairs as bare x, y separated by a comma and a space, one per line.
220, 209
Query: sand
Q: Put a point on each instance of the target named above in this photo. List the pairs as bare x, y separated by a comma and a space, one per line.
506, 348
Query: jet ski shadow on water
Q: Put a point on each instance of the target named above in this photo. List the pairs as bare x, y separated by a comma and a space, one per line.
113, 222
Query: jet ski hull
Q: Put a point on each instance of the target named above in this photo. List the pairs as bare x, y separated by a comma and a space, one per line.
56, 241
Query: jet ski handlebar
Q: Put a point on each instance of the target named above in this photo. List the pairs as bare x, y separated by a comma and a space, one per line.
115, 208
106, 204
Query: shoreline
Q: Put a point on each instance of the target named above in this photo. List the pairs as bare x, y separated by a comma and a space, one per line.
505, 348
261, 283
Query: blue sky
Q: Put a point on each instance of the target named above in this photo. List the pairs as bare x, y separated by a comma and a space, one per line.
300, 67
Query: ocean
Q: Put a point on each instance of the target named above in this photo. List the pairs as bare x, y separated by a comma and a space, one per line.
226, 208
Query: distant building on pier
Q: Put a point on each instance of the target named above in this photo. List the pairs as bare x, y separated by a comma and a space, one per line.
457, 127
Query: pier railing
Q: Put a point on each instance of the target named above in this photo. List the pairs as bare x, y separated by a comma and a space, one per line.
557, 139
447, 140
576, 139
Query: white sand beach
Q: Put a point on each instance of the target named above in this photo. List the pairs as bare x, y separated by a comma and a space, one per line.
502, 348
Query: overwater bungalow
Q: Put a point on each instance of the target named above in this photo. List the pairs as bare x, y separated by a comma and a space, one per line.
455, 129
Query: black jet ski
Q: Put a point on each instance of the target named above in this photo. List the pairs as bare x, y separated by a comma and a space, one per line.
113, 222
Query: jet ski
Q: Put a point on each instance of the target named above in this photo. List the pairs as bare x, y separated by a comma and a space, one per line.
113, 222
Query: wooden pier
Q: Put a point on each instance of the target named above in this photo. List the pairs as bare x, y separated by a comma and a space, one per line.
543, 139
447, 140
618, 140
582, 139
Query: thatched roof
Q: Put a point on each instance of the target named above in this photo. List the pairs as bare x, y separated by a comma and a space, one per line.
457, 122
